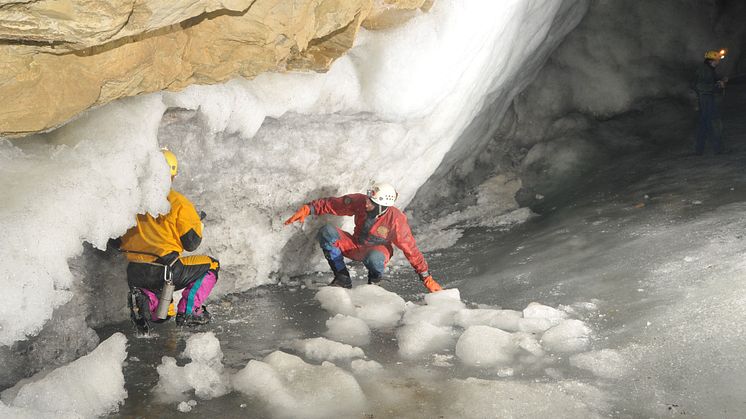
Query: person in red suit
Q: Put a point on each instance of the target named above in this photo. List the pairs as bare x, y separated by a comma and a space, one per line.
378, 226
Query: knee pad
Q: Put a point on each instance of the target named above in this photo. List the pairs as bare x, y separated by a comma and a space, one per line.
327, 234
375, 261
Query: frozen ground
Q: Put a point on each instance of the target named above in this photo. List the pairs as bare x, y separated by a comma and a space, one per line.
644, 261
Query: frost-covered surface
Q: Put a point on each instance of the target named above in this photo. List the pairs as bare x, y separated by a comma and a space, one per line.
88, 387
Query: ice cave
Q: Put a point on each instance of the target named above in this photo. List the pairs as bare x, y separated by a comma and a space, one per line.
570, 172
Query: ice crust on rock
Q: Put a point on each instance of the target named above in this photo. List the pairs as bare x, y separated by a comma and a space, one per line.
90, 386
568, 336
323, 349
204, 374
372, 304
348, 329
292, 388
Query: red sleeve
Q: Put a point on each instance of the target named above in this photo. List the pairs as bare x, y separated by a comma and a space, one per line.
343, 205
404, 240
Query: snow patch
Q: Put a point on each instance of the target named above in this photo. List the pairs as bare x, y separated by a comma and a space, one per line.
365, 368
422, 338
323, 349
569, 336
204, 374
90, 386
507, 320
292, 388
348, 329
372, 304
484, 346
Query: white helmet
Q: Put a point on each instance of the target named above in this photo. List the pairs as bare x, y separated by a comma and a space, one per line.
383, 194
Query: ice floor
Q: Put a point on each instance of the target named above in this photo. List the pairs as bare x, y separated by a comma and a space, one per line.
648, 254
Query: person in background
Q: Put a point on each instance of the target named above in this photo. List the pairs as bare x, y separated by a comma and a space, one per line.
709, 86
378, 225
153, 247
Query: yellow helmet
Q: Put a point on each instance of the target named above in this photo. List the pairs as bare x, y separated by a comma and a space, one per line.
715, 55
173, 164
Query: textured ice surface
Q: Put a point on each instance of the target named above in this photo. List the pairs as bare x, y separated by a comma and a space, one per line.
606, 363
365, 368
374, 305
322, 349
484, 346
421, 338
475, 398
507, 320
347, 329
439, 309
204, 374
540, 311
569, 336
292, 388
90, 386
23, 413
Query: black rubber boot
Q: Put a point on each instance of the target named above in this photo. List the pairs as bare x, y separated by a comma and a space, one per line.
374, 279
341, 279
139, 306
194, 319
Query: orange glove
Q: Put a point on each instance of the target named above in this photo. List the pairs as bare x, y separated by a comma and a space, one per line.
431, 285
299, 215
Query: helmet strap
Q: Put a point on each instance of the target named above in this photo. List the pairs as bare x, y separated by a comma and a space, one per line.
378, 209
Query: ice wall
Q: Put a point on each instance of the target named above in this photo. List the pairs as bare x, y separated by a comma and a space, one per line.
618, 83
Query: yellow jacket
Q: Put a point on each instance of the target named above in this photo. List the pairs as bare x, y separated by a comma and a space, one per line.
179, 230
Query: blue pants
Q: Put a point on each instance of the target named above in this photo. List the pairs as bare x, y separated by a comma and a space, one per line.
337, 244
709, 124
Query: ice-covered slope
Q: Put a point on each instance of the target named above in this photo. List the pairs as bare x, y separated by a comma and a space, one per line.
253, 150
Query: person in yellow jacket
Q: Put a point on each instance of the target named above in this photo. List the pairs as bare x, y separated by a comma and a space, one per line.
154, 246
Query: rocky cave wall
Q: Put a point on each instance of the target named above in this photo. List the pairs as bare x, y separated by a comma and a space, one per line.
61, 57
